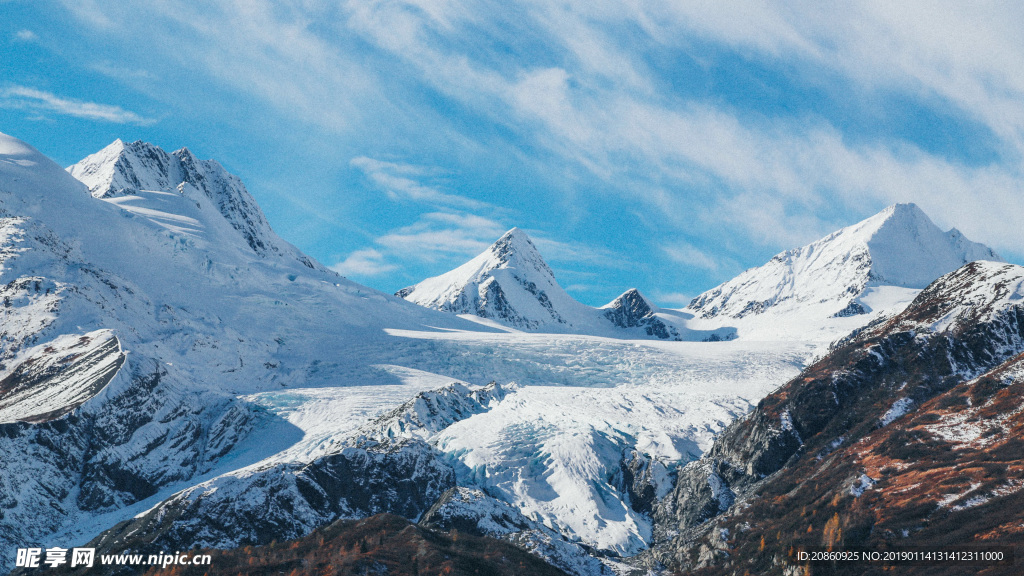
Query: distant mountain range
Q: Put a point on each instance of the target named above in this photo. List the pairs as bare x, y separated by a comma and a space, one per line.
871, 268
509, 283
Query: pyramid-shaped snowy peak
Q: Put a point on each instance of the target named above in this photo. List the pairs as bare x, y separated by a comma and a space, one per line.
509, 283
899, 247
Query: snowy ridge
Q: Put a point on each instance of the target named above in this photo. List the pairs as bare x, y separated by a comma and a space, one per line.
385, 466
980, 292
145, 180
508, 282
287, 500
431, 411
872, 268
52, 379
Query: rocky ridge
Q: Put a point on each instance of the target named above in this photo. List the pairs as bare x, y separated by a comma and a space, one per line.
860, 450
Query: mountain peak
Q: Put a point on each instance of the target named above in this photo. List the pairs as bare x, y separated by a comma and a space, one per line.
632, 299
509, 282
122, 169
515, 247
899, 246
146, 174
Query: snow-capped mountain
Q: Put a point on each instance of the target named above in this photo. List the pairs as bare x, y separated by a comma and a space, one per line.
633, 310
873, 267
510, 283
146, 181
165, 352
129, 341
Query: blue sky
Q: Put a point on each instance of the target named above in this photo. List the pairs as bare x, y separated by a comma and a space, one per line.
660, 145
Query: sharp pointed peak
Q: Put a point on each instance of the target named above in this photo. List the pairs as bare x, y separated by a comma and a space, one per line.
116, 147
631, 295
515, 242
905, 210
515, 232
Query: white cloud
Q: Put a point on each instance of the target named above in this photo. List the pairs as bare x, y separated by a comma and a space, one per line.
689, 255
366, 262
440, 235
397, 182
575, 252
37, 100
768, 179
25, 36
966, 54
108, 68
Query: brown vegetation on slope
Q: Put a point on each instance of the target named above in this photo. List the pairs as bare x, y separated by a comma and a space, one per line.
382, 544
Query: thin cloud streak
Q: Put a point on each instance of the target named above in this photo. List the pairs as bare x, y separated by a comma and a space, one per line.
20, 97
397, 182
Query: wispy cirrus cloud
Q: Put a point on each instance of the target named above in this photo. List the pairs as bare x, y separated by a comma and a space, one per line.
621, 101
21, 97
441, 234
685, 253
598, 105
399, 181
436, 237
366, 262
670, 299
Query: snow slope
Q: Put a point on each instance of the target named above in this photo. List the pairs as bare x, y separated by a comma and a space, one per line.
554, 447
511, 284
829, 287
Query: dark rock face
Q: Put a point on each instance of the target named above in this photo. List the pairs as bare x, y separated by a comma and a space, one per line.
853, 309
629, 310
632, 310
803, 448
637, 478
